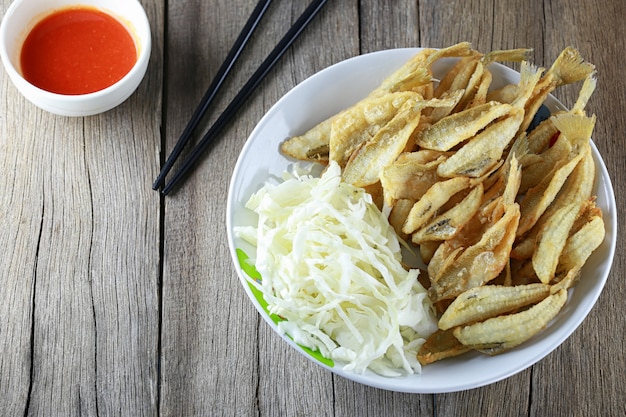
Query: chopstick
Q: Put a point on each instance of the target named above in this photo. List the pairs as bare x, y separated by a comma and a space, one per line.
309, 13
211, 92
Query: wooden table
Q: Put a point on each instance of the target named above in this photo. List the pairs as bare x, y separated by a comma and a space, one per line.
116, 301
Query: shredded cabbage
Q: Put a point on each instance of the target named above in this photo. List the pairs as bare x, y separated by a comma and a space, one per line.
331, 266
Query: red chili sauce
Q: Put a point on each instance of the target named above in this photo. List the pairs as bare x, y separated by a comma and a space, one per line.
77, 50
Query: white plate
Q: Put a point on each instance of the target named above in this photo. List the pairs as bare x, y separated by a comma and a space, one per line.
332, 90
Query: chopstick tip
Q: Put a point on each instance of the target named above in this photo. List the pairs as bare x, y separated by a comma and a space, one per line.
157, 183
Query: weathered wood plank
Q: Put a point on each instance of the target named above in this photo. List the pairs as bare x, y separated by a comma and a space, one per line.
18, 264
81, 276
210, 336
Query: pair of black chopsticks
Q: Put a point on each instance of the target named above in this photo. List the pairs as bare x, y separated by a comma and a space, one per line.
239, 99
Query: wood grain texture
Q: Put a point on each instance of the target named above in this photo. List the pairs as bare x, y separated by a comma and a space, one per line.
80, 316
115, 301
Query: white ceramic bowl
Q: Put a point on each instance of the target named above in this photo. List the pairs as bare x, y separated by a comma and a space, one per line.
20, 18
334, 89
